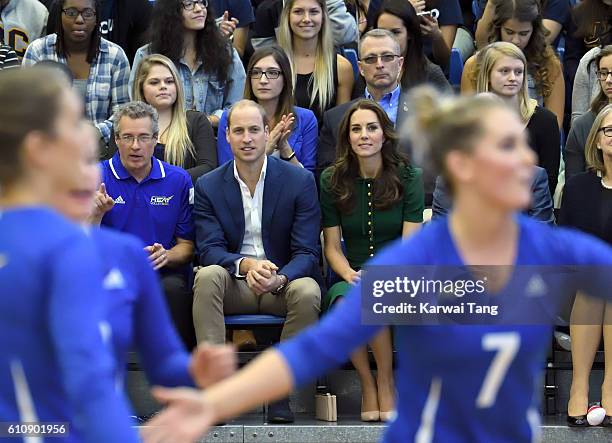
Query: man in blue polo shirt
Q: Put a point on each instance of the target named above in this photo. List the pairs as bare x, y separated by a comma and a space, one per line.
153, 200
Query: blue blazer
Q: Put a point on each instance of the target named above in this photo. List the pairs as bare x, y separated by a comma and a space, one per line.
303, 139
541, 207
291, 219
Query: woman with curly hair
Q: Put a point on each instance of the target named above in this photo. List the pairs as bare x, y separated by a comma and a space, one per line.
370, 196
210, 69
520, 22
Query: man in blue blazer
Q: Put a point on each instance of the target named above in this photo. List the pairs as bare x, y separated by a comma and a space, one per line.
257, 224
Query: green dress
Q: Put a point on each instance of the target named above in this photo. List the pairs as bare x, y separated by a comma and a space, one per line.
367, 230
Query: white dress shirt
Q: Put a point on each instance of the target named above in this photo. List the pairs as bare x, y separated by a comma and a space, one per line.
252, 243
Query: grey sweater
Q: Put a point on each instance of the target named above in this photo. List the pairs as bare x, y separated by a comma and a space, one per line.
586, 85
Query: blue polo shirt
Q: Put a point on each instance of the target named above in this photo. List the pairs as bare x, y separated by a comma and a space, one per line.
156, 210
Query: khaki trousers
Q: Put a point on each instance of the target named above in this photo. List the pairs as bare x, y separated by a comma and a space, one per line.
217, 293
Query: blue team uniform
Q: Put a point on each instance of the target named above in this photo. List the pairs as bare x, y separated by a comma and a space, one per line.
54, 366
137, 315
460, 384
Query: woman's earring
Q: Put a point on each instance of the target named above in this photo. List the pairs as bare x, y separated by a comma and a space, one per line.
598, 146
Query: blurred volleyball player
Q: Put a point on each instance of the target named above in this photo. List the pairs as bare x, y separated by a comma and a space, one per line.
464, 383
54, 366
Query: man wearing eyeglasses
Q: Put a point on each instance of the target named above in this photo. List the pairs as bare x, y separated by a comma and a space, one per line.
381, 66
152, 200
21, 22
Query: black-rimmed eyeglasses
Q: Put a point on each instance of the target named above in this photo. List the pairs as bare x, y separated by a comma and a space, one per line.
271, 74
607, 130
73, 13
188, 5
603, 75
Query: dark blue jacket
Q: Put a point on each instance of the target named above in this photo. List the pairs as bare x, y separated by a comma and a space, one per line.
290, 219
541, 207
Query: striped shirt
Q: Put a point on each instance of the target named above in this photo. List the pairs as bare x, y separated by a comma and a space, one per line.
107, 85
8, 58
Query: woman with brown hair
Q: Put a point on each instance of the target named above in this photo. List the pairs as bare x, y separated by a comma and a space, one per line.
370, 196
588, 31
293, 130
573, 153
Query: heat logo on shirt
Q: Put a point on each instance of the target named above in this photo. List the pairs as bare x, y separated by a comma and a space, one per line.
160, 200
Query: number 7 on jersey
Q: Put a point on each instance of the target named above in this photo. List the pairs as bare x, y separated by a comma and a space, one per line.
507, 345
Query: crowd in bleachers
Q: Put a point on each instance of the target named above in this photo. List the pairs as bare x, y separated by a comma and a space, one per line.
235, 132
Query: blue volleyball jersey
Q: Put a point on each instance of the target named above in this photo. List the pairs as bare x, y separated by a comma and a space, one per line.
136, 313
54, 366
459, 383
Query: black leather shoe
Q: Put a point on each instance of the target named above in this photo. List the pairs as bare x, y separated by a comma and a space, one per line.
607, 421
577, 422
280, 412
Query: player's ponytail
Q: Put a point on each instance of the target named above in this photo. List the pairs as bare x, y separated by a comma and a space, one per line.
31, 100
441, 124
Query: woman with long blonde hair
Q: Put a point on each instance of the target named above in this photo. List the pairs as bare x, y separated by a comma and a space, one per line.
501, 69
186, 138
322, 78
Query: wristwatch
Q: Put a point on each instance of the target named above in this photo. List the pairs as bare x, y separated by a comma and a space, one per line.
284, 281
288, 159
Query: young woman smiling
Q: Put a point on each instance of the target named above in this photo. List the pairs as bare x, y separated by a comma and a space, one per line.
322, 78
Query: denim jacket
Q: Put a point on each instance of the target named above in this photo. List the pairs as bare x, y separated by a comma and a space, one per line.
203, 92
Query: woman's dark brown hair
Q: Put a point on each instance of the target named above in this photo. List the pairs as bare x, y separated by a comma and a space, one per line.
601, 100
387, 187
168, 36
539, 54
415, 61
285, 100
31, 99
592, 19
